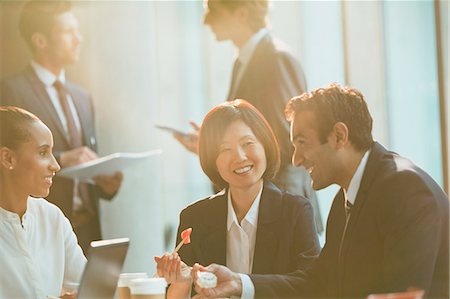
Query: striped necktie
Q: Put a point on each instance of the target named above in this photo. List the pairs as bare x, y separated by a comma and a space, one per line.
76, 140
72, 130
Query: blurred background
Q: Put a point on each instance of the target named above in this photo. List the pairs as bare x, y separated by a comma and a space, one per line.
148, 63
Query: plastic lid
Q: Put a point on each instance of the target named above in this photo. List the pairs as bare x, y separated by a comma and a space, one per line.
148, 286
125, 278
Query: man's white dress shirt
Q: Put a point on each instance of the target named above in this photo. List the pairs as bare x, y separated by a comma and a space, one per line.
353, 187
48, 79
248, 288
38, 255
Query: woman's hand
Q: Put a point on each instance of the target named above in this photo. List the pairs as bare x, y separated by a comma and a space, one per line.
189, 140
173, 269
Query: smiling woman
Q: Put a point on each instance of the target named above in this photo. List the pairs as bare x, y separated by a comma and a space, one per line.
39, 252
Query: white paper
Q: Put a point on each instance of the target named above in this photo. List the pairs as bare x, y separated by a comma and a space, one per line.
107, 165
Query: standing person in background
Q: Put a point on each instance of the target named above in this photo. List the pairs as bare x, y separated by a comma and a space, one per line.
267, 75
39, 253
251, 225
50, 29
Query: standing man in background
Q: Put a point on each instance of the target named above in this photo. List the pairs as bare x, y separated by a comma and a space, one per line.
265, 74
51, 32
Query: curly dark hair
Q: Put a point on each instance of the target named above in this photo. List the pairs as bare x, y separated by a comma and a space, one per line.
335, 103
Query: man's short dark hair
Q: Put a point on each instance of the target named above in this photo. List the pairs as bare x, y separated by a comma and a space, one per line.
332, 104
38, 16
215, 124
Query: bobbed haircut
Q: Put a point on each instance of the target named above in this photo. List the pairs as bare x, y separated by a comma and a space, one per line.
257, 10
38, 16
213, 129
332, 104
14, 124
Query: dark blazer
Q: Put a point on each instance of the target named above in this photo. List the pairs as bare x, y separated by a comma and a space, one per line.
271, 78
26, 91
277, 250
397, 237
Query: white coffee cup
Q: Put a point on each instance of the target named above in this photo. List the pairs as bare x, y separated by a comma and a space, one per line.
148, 288
123, 286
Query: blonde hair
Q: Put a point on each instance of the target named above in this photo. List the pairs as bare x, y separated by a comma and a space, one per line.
257, 10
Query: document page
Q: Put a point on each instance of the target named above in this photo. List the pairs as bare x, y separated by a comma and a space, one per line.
106, 165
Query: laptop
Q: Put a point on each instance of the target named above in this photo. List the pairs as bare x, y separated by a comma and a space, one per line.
104, 265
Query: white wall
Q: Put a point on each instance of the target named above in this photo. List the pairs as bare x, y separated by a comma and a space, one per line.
139, 63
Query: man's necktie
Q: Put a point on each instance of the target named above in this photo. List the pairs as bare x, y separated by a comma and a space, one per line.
348, 207
75, 139
74, 133
237, 65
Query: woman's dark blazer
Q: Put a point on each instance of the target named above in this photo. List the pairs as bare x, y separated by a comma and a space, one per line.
286, 237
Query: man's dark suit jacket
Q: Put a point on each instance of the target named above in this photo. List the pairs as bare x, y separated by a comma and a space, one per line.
397, 237
26, 91
271, 78
286, 238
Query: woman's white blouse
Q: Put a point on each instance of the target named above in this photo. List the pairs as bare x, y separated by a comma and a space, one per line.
40, 255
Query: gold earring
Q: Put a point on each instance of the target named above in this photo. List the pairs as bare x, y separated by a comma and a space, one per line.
11, 167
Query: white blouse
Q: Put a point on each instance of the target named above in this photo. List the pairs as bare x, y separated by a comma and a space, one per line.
40, 255
241, 238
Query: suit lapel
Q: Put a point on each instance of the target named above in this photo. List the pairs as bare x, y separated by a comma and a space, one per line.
213, 245
254, 65
48, 107
367, 179
266, 233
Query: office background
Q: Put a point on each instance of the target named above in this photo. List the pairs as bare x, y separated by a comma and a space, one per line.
148, 63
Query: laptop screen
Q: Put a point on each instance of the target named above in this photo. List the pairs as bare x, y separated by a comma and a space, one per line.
105, 262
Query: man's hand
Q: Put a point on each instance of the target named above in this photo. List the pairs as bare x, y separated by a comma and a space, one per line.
109, 183
228, 283
76, 156
190, 140
173, 269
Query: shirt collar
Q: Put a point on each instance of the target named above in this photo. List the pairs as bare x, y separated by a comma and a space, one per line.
7, 215
47, 77
251, 216
246, 52
11, 216
353, 187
